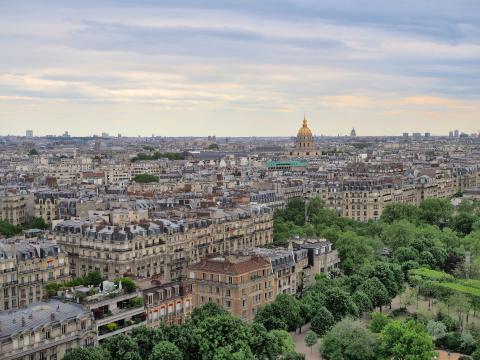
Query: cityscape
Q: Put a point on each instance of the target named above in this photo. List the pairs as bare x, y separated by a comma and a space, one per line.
174, 186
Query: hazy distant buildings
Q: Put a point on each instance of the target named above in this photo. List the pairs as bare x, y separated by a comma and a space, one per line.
405, 135
456, 133
29, 134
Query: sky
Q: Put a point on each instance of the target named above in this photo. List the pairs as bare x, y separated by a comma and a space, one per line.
239, 68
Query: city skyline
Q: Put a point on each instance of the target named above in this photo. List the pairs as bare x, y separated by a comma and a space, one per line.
227, 69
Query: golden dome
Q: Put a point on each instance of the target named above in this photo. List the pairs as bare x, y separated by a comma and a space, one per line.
304, 130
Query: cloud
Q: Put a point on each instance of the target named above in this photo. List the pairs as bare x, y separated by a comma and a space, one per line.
366, 62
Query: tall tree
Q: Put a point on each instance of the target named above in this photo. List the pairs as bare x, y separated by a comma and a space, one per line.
322, 322
310, 340
122, 347
349, 340
165, 350
406, 340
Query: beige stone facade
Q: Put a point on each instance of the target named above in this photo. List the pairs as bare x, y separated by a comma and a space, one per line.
24, 270
241, 284
163, 249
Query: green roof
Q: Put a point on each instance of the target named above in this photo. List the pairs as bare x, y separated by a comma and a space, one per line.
289, 163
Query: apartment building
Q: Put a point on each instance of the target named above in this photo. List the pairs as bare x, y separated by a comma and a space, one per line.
44, 331
240, 283
13, 208
162, 247
113, 311
170, 303
25, 268
322, 258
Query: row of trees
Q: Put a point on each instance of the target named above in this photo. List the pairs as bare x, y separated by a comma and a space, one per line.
158, 155
8, 230
145, 178
210, 334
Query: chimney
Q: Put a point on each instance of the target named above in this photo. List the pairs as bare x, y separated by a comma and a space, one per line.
23, 321
30, 316
52, 316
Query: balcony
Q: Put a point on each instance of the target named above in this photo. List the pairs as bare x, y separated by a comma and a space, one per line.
126, 328
120, 314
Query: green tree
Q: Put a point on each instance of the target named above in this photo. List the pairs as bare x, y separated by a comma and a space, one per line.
376, 292
436, 211
378, 322
476, 353
122, 347
399, 211
145, 178
127, 284
322, 322
213, 147
354, 250
284, 313
208, 310
282, 341
311, 339
8, 230
93, 278
165, 350
145, 338
436, 329
292, 356
230, 353
37, 223
339, 303
362, 301
398, 234
406, 341
349, 340
219, 331
33, 152
463, 223
97, 353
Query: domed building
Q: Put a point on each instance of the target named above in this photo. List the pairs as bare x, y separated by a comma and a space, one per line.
304, 145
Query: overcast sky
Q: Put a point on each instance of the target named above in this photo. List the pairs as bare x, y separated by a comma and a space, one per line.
239, 68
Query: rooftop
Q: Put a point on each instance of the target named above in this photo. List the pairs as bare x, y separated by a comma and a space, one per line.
36, 316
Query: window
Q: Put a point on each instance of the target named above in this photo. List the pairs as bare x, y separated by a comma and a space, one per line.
64, 328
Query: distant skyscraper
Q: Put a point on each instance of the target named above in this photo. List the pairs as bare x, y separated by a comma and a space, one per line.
29, 133
450, 134
457, 133
353, 132
119, 135
416, 135
104, 134
405, 135
427, 134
